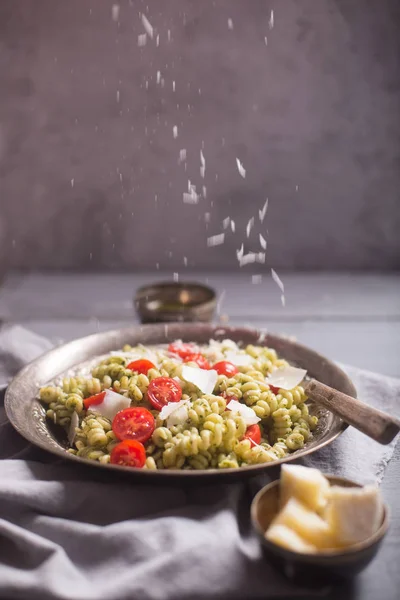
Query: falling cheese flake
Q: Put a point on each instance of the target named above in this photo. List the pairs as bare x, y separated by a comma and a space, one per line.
271, 20
248, 415
191, 197
220, 301
204, 379
279, 283
175, 131
158, 76
176, 277
263, 242
202, 165
146, 24
115, 12
286, 378
225, 222
72, 182
241, 169
240, 252
173, 86
251, 257
216, 240
118, 96
263, 211
230, 24
266, 40
207, 217
157, 40
142, 39
182, 155
169, 35
233, 226
204, 191
255, 279
249, 226
185, 261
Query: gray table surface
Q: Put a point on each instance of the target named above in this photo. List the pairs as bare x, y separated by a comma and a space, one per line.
351, 318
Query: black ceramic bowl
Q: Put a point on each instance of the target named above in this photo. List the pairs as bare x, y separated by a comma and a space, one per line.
170, 302
312, 567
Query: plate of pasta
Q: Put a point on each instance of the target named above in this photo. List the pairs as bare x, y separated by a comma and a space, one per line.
181, 400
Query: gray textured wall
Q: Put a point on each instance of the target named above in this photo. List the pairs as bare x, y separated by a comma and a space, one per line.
89, 174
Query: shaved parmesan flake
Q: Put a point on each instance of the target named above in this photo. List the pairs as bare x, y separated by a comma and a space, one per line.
240, 252
182, 155
202, 171
175, 412
248, 415
204, 191
169, 35
241, 169
216, 240
203, 164
175, 131
220, 301
240, 360
266, 40
271, 20
252, 257
115, 12
263, 242
249, 226
173, 86
233, 227
263, 211
225, 222
142, 39
185, 261
158, 76
147, 26
72, 428
256, 279
111, 404
158, 40
176, 276
191, 198
204, 379
230, 24
286, 378
278, 280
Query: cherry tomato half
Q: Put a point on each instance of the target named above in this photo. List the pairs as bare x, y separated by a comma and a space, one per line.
253, 433
273, 389
134, 423
141, 366
182, 349
163, 390
129, 453
93, 400
225, 367
199, 359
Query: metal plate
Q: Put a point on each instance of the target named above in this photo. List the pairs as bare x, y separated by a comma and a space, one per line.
27, 415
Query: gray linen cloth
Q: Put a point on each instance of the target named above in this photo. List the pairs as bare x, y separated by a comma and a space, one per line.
68, 533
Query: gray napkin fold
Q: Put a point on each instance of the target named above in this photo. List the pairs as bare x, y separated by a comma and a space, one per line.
66, 533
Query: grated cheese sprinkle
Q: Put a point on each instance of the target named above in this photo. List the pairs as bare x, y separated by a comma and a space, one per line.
175, 131
216, 240
241, 168
142, 39
263, 242
263, 211
147, 26
249, 226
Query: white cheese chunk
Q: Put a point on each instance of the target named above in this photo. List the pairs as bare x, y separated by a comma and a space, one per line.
247, 413
175, 412
286, 378
240, 360
111, 405
204, 379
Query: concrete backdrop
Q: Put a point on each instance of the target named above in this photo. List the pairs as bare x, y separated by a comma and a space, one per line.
89, 173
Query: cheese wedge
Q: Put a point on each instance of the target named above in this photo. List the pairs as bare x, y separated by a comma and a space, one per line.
354, 514
308, 485
285, 537
306, 523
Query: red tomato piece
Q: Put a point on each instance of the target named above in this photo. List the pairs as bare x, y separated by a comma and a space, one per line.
273, 389
199, 359
135, 423
93, 400
224, 367
229, 397
141, 366
182, 349
253, 433
163, 390
129, 453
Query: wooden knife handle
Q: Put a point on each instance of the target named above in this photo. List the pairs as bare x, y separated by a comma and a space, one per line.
376, 424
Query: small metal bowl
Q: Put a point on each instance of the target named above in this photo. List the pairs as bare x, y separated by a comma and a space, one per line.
304, 568
171, 302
